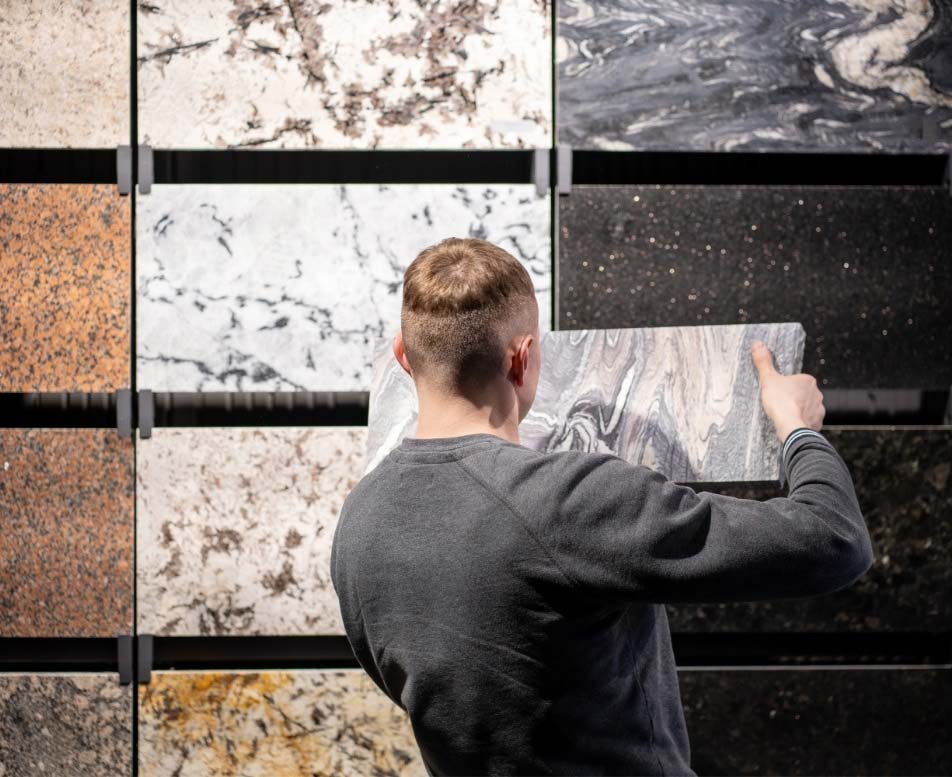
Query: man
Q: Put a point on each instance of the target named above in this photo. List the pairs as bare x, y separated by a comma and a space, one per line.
512, 602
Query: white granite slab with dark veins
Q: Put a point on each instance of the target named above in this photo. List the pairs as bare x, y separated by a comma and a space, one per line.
76, 724
267, 287
345, 74
682, 400
321, 723
819, 75
235, 526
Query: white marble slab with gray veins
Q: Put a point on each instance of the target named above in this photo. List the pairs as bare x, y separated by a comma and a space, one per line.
818, 75
682, 400
355, 74
267, 287
235, 526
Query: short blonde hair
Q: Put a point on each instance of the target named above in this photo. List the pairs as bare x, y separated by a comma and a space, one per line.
461, 297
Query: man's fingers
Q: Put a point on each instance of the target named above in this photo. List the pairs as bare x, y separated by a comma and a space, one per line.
763, 359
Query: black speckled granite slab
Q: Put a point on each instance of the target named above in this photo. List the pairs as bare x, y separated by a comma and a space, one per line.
866, 270
755, 75
903, 480
870, 721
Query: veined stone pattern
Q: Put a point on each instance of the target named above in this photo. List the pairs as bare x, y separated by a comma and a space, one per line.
345, 74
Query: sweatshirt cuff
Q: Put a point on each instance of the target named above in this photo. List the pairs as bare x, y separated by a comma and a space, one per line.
797, 434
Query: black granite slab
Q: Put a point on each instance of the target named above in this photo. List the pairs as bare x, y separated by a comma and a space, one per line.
870, 721
866, 270
755, 75
903, 480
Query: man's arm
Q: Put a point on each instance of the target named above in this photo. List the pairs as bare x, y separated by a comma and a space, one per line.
629, 532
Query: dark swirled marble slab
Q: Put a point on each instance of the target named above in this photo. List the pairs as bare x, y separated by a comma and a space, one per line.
355, 74
854, 720
866, 269
323, 723
285, 287
903, 480
821, 75
73, 725
682, 400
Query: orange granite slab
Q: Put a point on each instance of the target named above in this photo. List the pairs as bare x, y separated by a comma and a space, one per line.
66, 501
65, 261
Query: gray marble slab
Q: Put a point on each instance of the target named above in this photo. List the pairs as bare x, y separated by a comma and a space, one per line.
682, 400
68, 725
269, 287
355, 74
234, 528
822, 75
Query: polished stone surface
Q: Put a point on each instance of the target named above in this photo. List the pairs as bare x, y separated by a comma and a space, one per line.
614, 391
69, 725
66, 500
286, 287
322, 723
863, 721
64, 73
822, 75
356, 74
235, 525
865, 269
903, 484
65, 261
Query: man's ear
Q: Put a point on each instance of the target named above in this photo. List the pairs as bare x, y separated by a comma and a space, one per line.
400, 353
520, 360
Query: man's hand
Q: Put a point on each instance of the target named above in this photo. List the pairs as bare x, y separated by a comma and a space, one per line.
790, 401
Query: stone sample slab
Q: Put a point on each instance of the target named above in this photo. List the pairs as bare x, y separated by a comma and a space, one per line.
65, 260
903, 480
866, 269
235, 527
862, 721
64, 74
682, 400
356, 74
74, 725
66, 497
758, 75
254, 724
285, 287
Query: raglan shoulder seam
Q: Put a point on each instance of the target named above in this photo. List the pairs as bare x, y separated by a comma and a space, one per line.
525, 524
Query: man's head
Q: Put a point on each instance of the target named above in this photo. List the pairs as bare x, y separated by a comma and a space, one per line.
470, 323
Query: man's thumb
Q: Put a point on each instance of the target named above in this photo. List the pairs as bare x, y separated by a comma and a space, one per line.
763, 359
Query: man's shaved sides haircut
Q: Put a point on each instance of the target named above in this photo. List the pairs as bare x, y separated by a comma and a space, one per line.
463, 299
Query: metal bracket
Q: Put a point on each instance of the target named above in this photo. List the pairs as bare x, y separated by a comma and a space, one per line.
124, 658
124, 412
146, 169
146, 658
124, 169
146, 413
563, 167
541, 175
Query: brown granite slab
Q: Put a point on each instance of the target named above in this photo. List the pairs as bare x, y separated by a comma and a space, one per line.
67, 725
65, 296
66, 500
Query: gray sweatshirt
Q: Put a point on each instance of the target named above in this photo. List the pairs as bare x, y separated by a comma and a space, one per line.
512, 602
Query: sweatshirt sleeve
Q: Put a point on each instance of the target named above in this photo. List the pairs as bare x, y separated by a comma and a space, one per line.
627, 531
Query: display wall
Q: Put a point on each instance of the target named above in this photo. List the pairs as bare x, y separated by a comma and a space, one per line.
206, 209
